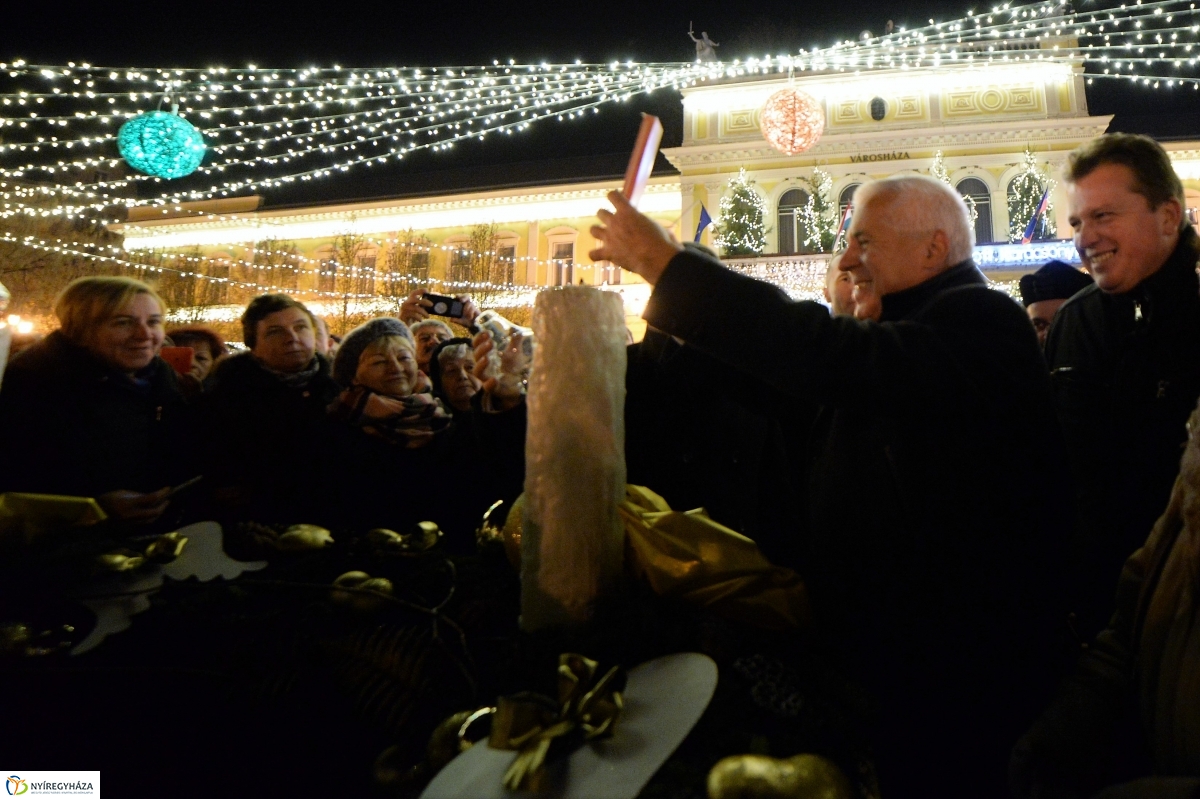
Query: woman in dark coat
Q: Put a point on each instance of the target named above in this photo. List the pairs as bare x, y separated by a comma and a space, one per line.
402, 457
92, 411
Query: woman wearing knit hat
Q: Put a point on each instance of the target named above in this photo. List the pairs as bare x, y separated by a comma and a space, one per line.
377, 364
402, 455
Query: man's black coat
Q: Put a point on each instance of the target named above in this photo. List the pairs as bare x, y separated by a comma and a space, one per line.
1125, 370
933, 534
697, 436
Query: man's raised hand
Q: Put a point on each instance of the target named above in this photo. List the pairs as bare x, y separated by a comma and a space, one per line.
632, 240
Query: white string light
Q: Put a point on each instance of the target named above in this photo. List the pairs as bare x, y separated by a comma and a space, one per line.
272, 127
249, 113
327, 268
458, 108
73, 249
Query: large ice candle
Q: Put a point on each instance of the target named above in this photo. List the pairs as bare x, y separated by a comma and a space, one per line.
573, 541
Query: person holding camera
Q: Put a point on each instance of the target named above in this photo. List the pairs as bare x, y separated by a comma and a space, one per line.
428, 335
419, 312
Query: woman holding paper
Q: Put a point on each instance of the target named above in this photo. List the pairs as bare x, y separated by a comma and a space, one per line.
91, 410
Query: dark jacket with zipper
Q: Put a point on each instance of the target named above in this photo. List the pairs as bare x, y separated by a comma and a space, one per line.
71, 425
267, 457
1125, 369
932, 541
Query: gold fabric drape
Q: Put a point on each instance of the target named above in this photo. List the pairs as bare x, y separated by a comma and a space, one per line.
690, 556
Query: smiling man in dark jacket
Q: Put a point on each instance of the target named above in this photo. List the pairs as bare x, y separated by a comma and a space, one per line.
266, 417
1124, 355
931, 539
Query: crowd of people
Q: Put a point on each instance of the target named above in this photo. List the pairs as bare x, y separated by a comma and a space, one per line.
962, 484
381, 429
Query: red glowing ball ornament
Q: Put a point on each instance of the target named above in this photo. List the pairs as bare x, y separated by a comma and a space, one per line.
792, 121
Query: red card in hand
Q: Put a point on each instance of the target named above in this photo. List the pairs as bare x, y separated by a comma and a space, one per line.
642, 161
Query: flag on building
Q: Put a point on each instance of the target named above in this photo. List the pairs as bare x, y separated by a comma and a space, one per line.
1037, 214
705, 221
845, 225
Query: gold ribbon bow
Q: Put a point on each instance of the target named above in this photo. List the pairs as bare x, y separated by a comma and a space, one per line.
587, 708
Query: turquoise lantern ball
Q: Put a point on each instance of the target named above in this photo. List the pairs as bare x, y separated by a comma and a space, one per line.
162, 144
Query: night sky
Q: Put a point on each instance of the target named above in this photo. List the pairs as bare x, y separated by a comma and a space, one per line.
367, 34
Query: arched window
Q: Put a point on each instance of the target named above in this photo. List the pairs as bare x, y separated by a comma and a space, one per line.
976, 190
845, 197
790, 229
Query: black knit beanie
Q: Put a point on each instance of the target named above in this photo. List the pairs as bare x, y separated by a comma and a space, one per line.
1054, 281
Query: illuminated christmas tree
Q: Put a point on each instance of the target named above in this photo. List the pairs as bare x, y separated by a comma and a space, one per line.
819, 216
741, 228
939, 172
1024, 195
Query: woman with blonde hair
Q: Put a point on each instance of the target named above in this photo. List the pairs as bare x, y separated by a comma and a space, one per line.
91, 410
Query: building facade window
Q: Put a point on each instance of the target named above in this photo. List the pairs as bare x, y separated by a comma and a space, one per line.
506, 266
364, 278
845, 198
326, 269
562, 254
789, 227
978, 191
561, 249
419, 267
459, 268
